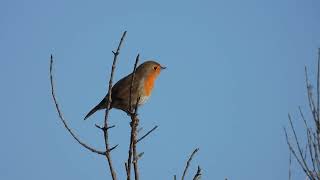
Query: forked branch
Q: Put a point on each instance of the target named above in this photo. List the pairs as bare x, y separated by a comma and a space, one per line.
308, 157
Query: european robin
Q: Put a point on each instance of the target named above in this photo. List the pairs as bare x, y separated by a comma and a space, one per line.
144, 79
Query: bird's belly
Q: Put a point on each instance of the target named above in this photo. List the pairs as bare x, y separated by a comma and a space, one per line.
143, 99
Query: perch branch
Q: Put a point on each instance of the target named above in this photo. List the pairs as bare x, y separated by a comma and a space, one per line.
134, 124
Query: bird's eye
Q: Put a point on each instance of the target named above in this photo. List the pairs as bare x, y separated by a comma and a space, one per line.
155, 68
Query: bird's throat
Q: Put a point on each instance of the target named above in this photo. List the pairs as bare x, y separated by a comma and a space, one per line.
149, 83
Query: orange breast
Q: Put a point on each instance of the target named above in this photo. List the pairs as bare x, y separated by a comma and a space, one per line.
149, 83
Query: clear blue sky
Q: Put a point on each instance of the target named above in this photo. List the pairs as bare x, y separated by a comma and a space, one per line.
235, 69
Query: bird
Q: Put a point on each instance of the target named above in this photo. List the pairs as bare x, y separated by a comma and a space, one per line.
144, 79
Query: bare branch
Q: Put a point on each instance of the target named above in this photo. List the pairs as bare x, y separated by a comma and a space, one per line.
311, 101
289, 175
197, 176
111, 77
188, 163
302, 165
62, 118
298, 146
109, 150
126, 167
308, 158
134, 124
154, 128
134, 134
105, 129
310, 141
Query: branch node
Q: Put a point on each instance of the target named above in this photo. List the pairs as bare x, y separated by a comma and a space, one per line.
154, 128
198, 174
135, 159
113, 148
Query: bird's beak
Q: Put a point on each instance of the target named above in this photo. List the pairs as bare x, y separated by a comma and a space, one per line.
162, 67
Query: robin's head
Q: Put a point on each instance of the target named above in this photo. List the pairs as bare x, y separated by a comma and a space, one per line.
150, 68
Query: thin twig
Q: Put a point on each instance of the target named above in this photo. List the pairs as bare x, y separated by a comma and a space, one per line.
154, 128
309, 138
103, 128
302, 165
111, 76
311, 166
315, 114
197, 176
105, 132
311, 101
126, 167
298, 145
62, 118
188, 163
289, 176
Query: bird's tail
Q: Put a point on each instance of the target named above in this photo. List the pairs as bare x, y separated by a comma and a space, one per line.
101, 105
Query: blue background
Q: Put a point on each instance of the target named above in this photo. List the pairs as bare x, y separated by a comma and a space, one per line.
235, 69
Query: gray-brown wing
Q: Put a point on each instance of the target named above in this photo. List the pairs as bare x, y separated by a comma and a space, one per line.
121, 92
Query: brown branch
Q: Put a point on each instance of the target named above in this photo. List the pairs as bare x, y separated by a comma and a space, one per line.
134, 148
197, 176
63, 119
126, 167
106, 127
188, 163
154, 128
133, 135
115, 56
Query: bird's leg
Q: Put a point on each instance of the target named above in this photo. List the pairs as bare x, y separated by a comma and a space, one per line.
131, 112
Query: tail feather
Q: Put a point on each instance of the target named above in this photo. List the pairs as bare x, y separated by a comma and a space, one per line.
91, 112
101, 105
